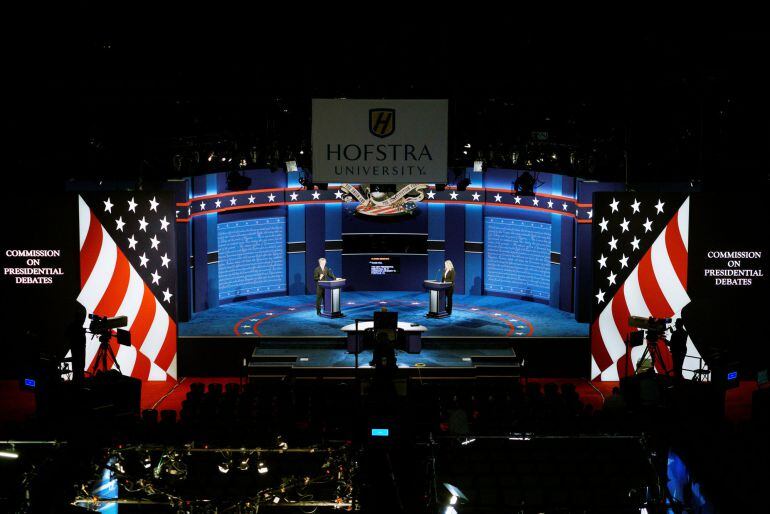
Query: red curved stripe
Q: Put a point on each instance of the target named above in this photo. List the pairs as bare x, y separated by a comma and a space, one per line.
141, 367
91, 248
620, 312
116, 290
598, 349
168, 348
651, 292
144, 318
676, 249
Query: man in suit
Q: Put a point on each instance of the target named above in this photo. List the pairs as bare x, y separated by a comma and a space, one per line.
321, 273
449, 276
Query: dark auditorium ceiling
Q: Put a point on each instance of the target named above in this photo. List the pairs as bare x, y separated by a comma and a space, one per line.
139, 91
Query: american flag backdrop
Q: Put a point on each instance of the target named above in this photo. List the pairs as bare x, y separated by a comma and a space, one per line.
128, 268
640, 244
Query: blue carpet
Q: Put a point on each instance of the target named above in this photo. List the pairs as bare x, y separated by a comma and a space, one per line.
472, 316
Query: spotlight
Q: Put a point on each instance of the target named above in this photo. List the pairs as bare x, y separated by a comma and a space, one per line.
262, 468
456, 495
514, 157
9, 454
244, 464
291, 166
467, 441
478, 166
226, 464
147, 460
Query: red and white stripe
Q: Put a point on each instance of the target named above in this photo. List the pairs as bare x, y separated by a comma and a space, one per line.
110, 286
656, 287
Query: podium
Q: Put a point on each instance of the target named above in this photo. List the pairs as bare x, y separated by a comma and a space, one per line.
332, 290
437, 298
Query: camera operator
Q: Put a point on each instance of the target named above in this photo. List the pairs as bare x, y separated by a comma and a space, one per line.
678, 345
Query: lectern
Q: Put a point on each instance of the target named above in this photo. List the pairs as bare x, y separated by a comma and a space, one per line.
332, 290
437, 298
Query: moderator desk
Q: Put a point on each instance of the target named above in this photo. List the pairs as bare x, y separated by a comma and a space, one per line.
413, 334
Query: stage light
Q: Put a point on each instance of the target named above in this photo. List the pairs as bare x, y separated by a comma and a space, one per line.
453, 500
262, 468
242, 163
478, 166
9, 454
147, 460
210, 157
226, 464
514, 157
450, 510
467, 441
291, 166
244, 464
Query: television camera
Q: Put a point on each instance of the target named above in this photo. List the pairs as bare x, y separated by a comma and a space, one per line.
102, 327
655, 327
655, 331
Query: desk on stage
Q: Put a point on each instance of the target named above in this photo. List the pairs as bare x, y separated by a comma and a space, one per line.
332, 291
413, 334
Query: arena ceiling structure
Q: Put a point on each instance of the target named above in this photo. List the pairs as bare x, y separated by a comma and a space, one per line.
160, 92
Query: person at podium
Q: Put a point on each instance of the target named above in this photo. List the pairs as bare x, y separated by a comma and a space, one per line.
449, 276
322, 272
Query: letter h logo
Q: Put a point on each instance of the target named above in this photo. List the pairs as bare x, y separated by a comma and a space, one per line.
382, 122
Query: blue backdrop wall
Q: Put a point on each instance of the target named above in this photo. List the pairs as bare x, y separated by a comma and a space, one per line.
500, 245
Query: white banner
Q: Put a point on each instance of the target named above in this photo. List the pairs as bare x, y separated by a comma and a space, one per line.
380, 141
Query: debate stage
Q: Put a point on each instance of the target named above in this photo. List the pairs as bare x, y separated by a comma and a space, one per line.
284, 333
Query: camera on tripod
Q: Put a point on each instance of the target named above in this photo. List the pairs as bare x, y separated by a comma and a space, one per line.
102, 327
655, 327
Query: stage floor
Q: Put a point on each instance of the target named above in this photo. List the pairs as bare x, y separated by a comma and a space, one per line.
472, 316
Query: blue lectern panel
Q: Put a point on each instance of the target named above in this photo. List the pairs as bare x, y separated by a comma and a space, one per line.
517, 257
252, 257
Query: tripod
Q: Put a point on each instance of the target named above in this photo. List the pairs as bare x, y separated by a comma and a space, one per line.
103, 353
651, 349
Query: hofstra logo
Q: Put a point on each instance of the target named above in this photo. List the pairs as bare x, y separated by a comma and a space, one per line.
382, 122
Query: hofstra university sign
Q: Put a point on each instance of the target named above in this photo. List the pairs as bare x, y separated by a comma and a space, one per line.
379, 141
